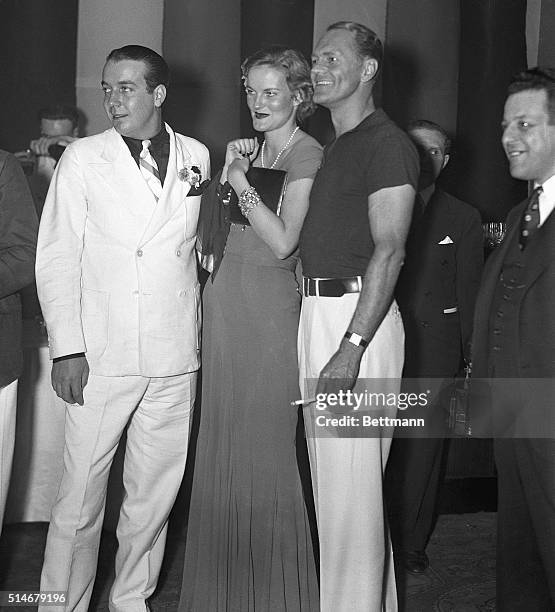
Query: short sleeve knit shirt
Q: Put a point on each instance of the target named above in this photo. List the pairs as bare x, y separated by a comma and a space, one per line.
335, 240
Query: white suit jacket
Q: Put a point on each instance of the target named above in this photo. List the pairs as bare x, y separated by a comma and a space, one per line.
116, 270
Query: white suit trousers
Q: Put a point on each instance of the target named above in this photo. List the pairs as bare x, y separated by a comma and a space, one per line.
8, 409
356, 560
158, 411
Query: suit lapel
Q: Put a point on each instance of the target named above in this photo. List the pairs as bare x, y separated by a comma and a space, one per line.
492, 270
174, 190
540, 251
122, 179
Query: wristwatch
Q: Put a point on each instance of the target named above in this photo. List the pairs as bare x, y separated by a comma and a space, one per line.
356, 339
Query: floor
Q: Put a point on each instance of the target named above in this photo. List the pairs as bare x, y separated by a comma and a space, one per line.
461, 576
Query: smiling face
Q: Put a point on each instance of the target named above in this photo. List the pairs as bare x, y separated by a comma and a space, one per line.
528, 137
338, 71
271, 102
132, 109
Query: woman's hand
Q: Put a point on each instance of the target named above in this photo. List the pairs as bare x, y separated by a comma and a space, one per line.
240, 149
236, 174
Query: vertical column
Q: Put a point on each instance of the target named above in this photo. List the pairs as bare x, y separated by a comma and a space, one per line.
533, 20
103, 26
37, 64
202, 46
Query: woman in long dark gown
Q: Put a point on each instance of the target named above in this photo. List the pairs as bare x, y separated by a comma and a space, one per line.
249, 545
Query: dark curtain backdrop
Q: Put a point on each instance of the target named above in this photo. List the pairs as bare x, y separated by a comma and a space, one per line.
205, 42
38, 49
421, 65
546, 50
450, 61
493, 49
267, 22
201, 43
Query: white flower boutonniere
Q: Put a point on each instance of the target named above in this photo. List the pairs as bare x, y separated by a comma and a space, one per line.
190, 174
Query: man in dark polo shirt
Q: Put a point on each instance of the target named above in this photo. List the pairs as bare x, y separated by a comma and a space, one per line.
352, 248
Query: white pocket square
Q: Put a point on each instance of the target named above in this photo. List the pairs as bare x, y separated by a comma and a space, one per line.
446, 240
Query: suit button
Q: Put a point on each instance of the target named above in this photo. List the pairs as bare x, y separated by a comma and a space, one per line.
139, 253
496, 348
499, 314
496, 331
178, 253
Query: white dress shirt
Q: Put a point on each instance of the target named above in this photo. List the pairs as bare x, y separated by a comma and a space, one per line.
547, 198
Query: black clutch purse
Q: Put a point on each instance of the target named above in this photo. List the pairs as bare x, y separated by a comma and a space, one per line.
270, 185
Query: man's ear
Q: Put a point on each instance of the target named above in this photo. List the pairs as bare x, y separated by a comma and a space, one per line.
445, 161
369, 69
159, 95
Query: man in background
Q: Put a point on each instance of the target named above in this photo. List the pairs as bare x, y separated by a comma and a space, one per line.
436, 293
59, 126
18, 235
513, 346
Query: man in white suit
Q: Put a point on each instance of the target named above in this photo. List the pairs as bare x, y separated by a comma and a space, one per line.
117, 282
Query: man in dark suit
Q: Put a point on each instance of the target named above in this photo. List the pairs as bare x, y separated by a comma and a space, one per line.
18, 237
514, 347
436, 292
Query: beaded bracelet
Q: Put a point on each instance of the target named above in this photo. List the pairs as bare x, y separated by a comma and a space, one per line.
248, 200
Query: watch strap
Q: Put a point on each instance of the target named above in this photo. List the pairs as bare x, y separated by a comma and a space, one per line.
356, 339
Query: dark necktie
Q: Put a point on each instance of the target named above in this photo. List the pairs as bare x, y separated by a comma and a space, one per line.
530, 220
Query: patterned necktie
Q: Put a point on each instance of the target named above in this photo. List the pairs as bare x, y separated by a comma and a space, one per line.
530, 220
149, 170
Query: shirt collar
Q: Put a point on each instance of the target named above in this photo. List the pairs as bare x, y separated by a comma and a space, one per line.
547, 198
157, 141
376, 117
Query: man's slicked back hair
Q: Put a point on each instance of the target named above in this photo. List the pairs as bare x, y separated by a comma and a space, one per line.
367, 42
537, 79
157, 71
424, 124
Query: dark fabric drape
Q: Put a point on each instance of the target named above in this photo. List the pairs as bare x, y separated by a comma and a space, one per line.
450, 61
268, 22
492, 49
546, 48
38, 50
421, 64
202, 47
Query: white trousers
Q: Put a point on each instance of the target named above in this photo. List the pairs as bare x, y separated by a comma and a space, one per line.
356, 560
8, 408
159, 411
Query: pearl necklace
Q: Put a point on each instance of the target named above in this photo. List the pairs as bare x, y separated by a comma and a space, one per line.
280, 153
